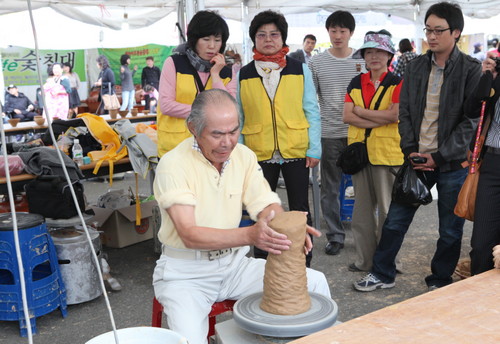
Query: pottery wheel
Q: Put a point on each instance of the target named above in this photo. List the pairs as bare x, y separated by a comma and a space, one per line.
249, 316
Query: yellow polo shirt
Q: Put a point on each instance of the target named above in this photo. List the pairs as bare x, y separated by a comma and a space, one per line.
185, 176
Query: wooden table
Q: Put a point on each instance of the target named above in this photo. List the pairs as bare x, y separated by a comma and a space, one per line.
467, 311
26, 127
18, 181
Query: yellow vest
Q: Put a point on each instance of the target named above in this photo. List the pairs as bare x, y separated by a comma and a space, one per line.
173, 130
383, 143
280, 126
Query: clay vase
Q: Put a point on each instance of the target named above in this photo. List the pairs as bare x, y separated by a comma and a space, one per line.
39, 120
113, 113
123, 113
145, 112
13, 122
134, 112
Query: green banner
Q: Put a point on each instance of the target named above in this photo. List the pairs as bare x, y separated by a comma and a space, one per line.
137, 57
19, 64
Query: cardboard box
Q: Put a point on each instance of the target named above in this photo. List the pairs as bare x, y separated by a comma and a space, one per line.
119, 225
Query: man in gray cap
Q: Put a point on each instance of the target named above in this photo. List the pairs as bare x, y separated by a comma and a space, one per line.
17, 105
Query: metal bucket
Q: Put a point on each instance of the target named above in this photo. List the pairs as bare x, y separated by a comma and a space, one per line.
141, 335
78, 269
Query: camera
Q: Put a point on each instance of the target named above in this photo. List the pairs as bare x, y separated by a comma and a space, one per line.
419, 159
497, 61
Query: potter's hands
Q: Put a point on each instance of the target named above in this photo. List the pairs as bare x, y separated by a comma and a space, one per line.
308, 245
18, 111
496, 256
262, 236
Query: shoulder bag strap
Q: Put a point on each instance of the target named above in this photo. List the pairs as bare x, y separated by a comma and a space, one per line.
386, 83
201, 87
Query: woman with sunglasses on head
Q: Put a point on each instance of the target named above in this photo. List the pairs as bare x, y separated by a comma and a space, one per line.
280, 114
200, 65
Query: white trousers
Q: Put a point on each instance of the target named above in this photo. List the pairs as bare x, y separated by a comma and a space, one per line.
187, 289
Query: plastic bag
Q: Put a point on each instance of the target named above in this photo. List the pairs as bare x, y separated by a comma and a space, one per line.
16, 165
409, 186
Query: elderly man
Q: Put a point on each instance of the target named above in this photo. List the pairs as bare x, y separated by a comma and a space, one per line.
200, 187
17, 105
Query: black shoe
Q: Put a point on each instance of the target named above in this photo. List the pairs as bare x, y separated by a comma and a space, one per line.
354, 268
333, 248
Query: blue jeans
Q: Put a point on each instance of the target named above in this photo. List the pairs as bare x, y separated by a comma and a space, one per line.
127, 100
449, 243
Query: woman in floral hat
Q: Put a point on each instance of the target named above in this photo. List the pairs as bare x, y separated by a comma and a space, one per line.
371, 109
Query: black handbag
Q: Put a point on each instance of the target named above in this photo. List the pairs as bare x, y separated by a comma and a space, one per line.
354, 157
51, 197
409, 186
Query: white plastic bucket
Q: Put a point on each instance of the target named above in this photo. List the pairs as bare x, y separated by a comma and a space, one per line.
140, 335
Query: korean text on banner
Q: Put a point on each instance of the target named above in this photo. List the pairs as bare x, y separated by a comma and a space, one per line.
19, 64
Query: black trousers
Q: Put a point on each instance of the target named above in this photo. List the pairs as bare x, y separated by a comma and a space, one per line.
296, 177
146, 99
486, 230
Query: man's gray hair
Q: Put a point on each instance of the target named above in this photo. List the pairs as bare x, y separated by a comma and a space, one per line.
213, 97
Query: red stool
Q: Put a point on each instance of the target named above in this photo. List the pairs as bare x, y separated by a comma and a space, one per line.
217, 308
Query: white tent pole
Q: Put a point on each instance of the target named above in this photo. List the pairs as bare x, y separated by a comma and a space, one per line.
180, 19
2, 82
201, 5
190, 10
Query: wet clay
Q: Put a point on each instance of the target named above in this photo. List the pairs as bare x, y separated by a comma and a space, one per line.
285, 279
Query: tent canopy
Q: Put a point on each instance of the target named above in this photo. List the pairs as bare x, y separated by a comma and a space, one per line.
94, 12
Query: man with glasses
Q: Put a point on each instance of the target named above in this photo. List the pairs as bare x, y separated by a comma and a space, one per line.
433, 125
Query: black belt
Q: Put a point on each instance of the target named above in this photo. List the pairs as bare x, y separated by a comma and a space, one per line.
493, 150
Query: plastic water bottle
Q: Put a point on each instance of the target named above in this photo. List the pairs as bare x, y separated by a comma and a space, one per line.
77, 153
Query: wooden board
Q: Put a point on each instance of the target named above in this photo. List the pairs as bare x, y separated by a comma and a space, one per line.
467, 311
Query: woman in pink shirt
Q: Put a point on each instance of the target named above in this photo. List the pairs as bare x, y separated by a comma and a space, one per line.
200, 65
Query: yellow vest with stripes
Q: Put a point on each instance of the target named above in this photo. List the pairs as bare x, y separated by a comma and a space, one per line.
280, 126
173, 130
383, 142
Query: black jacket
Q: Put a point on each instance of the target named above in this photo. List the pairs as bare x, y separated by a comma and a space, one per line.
455, 128
298, 55
151, 76
20, 102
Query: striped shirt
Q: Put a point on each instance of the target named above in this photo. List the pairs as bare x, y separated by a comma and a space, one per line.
331, 76
428, 142
493, 138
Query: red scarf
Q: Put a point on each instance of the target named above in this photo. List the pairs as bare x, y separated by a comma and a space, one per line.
278, 58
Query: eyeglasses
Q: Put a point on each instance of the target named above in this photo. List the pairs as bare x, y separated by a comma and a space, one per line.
436, 32
274, 35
